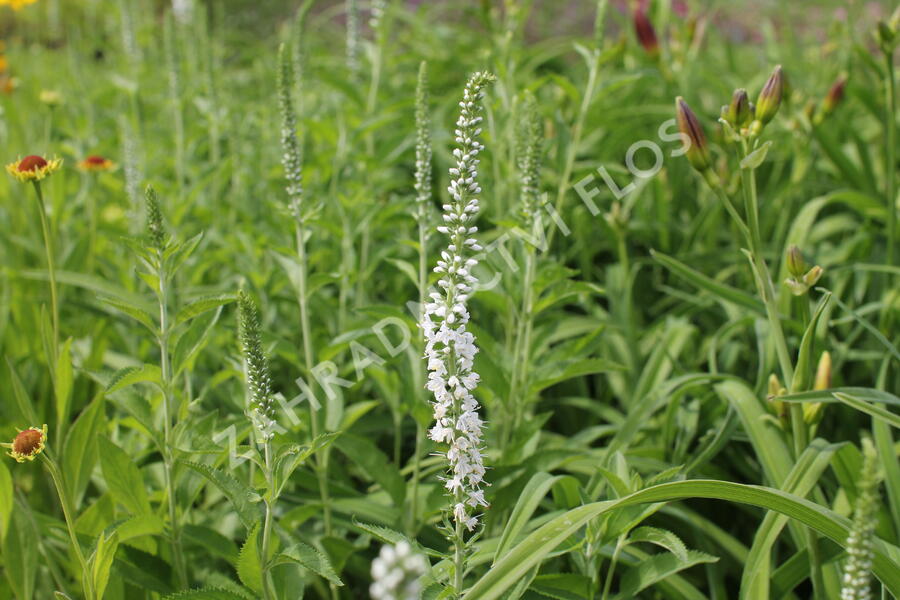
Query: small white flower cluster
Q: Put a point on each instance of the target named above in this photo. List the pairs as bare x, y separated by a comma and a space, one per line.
291, 159
376, 13
860, 548
183, 10
353, 36
395, 573
449, 348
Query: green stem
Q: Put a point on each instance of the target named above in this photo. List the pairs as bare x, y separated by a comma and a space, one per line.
87, 581
890, 170
168, 401
459, 555
815, 562
607, 584
572, 151
51, 272
764, 281
417, 369
521, 346
417, 467
321, 461
267, 524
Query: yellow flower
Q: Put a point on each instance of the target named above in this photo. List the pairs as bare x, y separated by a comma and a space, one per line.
51, 98
4, 64
96, 163
16, 4
27, 444
33, 168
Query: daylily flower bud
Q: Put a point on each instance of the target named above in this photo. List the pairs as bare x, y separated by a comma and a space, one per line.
812, 411
796, 266
775, 390
738, 112
770, 97
823, 372
835, 95
645, 33
697, 152
886, 33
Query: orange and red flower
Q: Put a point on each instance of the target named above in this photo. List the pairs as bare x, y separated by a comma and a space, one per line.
33, 168
95, 163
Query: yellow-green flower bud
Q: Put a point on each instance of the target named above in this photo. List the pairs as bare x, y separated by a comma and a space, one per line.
796, 266
738, 112
770, 97
812, 411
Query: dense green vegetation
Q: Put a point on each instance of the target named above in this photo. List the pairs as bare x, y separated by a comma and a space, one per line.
219, 231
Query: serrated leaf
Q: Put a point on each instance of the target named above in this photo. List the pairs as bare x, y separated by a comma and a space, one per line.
205, 594
660, 537
202, 305
248, 567
211, 541
193, 340
179, 253
290, 458
133, 311
127, 376
241, 496
656, 568
374, 464
311, 559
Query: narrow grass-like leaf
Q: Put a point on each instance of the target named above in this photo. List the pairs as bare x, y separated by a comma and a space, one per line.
532, 550
870, 409
720, 290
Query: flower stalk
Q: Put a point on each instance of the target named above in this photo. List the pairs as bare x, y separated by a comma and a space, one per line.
449, 348
262, 412
158, 245
292, 162
422, 215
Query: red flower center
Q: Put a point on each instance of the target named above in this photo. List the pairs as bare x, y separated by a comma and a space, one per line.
28, 441
93, 159
32, 163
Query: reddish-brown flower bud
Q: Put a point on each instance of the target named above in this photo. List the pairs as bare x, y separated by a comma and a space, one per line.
645, 33
28, 444
835, 95
692, 135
